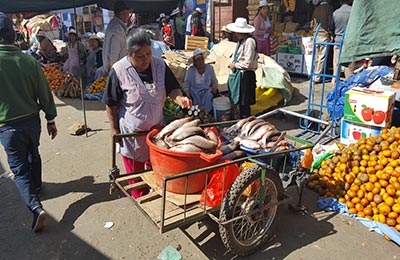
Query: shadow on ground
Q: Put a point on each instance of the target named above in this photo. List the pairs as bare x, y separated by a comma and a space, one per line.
90, 105
290, 231
48, 244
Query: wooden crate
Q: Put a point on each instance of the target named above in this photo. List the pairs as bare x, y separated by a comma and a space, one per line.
196, 42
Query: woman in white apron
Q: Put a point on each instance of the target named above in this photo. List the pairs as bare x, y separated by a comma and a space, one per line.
76, 54
135, 94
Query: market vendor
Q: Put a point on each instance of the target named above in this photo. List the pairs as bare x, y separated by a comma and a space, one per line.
200, 81
46, 51
135, 94
76, 54
242, 79
263, 27
94, 59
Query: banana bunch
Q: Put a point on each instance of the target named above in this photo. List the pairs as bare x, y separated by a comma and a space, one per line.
98, 86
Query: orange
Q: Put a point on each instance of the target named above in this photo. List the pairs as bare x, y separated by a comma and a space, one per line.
360, 194
369, 186
351, 193
369, 196
393, 215
361, 214
355, 200
396, 208
383, 183
364, 202
397, 227
382, 218
359, 207
390, 222
368, 211
352, 211
350, 205
389, 201
390, 190
355, 188
372, 177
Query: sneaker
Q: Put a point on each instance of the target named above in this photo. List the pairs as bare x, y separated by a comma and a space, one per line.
39, 216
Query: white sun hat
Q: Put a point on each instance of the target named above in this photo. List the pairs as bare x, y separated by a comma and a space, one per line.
265, 3
175, 11
71, 31
198, 52
240, 26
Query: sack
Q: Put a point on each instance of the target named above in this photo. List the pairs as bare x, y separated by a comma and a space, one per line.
213, 192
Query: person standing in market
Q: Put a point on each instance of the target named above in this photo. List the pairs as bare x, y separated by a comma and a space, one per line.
97, 21
340, 19
76, 55
135, 94
114, 46
242, 79
322, 14
189, 20
263, 27
200, 82
178, 28
24, 92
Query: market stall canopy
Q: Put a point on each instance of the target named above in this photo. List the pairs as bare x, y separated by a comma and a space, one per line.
20, 6
372, 30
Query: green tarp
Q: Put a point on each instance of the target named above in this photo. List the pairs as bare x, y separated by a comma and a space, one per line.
139, 6
373, 30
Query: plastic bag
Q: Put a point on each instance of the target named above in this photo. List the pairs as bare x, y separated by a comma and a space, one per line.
213, 192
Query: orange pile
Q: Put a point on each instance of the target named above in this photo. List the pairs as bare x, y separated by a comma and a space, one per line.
366, 177
54, 76
98, 86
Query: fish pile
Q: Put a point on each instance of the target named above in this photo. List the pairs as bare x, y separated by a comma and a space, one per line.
257, 134
186, 135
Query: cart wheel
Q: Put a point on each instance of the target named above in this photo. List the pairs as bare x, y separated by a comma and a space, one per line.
253, 213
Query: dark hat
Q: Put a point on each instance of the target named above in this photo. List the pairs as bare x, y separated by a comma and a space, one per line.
120, 6
6, 25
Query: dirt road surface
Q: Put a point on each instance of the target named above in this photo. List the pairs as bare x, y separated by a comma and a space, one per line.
75, 194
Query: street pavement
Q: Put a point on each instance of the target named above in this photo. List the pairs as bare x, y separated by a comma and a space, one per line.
75, 194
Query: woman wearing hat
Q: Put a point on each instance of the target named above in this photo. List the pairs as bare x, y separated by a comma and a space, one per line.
200, 81
94, 59
178, 28
263, 28
76, 54
136, 90
47, 51
242, 80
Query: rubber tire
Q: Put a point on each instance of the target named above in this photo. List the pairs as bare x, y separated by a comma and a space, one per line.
246, 178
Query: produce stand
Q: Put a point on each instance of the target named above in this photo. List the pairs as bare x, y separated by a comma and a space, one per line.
250, 204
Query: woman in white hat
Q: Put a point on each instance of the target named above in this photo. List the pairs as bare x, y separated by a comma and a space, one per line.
47, 51
263, 28
242, 80
94, 59
76, 54
200, 81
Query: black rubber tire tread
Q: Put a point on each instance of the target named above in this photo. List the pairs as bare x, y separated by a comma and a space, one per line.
246, 178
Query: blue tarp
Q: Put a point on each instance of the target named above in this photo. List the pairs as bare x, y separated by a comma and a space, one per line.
331, 204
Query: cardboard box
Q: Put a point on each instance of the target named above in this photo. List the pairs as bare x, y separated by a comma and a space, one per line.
369, 107
291, 62
352, 132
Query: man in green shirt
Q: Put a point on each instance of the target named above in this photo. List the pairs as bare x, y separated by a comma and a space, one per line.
178, 28
24, 91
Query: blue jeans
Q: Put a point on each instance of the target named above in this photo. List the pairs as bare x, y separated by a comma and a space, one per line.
21, 143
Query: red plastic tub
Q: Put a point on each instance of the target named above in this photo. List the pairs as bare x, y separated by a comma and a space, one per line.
166, 163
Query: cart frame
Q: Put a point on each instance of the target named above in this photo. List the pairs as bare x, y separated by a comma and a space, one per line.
171, 216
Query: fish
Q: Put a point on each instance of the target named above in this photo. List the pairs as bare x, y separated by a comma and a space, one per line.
241, 122
248, 143
247, 128
161, 143
233, 155
195, 122
199, 141
225, 149
184, 132
172, 127
211, 135
186, 148
257, 126
260, 132
265, 138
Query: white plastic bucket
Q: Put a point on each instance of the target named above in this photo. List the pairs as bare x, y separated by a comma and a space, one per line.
222, 108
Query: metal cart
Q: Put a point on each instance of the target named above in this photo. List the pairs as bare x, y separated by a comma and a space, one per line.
249, 206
